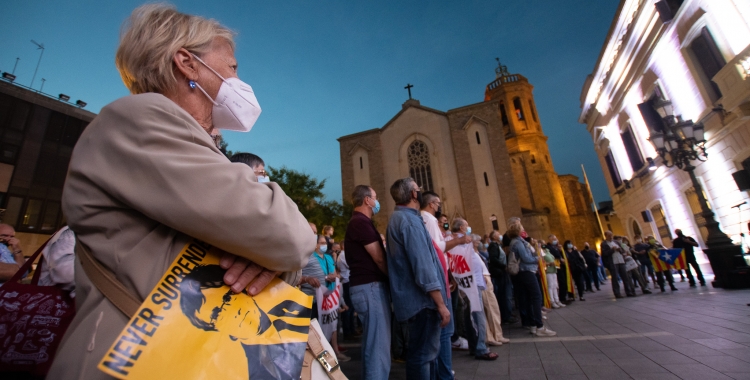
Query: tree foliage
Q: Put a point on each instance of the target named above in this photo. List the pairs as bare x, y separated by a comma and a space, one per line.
307, 192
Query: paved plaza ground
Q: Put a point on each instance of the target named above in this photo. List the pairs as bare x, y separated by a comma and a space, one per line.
694, 333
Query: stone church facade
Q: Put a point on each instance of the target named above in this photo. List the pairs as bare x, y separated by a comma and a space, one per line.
488, 161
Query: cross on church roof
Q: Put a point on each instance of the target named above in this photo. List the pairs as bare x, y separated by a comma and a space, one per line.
408, 88
501, 70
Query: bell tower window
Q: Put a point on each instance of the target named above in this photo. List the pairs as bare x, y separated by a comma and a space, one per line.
517, 106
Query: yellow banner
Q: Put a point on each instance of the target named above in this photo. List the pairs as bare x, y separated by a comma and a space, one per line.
192, 326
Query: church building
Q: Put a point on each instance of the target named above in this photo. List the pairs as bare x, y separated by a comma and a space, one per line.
487, 161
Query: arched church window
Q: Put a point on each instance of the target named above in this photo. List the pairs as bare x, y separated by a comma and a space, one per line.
478, 141
636, 229
419, 165
533, 159
360, 163
517, 106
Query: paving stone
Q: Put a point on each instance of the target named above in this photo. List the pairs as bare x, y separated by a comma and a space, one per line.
695, 372
724, 363
739, 353
669, 357
718, 343
632, 366
738, 376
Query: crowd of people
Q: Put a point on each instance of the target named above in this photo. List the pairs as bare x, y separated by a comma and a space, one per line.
431, 285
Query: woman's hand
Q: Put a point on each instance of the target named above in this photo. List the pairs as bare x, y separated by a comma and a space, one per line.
245, 274
332, 277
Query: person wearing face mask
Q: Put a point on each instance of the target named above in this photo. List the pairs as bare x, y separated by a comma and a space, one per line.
145, 178
445, 227
432, 209
254, 162
577, 266
612, 254
555, 249
641, 254
418, 287
368, 283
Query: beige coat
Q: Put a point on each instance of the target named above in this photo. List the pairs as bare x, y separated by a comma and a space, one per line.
144, 178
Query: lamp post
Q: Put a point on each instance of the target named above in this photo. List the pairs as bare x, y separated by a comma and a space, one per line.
679, 143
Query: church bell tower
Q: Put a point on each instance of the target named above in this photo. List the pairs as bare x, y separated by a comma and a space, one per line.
539, 191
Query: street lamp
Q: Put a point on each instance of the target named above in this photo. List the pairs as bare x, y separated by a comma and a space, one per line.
679, 143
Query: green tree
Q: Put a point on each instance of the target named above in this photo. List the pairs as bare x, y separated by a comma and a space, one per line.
307, 192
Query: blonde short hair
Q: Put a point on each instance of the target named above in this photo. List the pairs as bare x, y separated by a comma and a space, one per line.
152, 35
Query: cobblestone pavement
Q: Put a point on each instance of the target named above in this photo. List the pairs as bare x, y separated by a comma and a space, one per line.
694, 333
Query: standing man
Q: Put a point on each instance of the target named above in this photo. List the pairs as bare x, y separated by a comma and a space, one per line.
688, 244
500, 279
11, 256
592, 266
417, 285
368, 284
615, 262
431, 207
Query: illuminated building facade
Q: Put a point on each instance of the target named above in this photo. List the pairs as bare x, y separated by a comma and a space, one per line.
696, 55
488, 161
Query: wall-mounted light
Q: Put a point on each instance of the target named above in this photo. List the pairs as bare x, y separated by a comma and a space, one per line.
651, 164
63, 97
9, 77
80, 103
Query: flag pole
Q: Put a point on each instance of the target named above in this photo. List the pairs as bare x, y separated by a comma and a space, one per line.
593, 202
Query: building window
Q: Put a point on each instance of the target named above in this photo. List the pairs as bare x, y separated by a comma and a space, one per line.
533, 111
533, 159
636, 229
662, 225
517, 107
419, 165
613, 173
709, 60
486, 180
478, 141
360, 163
631, 147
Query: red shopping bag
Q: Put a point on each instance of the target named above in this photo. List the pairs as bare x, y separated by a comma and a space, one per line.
33, 320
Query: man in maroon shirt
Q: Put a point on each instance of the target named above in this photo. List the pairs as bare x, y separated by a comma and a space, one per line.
368, 281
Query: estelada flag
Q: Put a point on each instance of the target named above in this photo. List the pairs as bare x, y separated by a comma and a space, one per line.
668, 259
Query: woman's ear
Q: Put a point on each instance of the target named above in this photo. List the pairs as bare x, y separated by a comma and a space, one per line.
186, 64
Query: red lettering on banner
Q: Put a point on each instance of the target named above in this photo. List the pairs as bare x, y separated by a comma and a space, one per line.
459, 265
331, 300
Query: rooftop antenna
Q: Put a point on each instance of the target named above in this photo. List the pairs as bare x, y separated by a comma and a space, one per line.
16, 65
39, 47
42, 87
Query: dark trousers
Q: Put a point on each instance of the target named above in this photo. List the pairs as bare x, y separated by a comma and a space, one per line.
691, 279
592, 274
618, 273
578, 280
458, 315
424, 345
529, 292
347, 317
502, 288
660, 279
521, 302
562, 283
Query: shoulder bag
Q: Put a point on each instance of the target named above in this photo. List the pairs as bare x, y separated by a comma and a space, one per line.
514, 264
33, 320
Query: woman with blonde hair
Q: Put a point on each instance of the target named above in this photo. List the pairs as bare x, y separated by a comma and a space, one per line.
146, 177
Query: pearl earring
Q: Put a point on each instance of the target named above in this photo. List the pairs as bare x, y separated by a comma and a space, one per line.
191, 83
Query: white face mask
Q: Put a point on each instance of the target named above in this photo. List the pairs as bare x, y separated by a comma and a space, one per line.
323, 248
235, 107
263, 179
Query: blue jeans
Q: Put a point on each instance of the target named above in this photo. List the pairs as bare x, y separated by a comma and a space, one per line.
424, 345
373, 305
481, 326
347, 317
445, 357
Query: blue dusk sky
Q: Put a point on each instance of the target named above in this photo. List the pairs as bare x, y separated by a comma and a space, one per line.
324, 69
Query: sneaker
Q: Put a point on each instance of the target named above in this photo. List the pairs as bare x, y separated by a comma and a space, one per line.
555, 306
543, 332
503, 340
532, 330
544, 317
561, 304
342, 358
544, 312
460, 344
